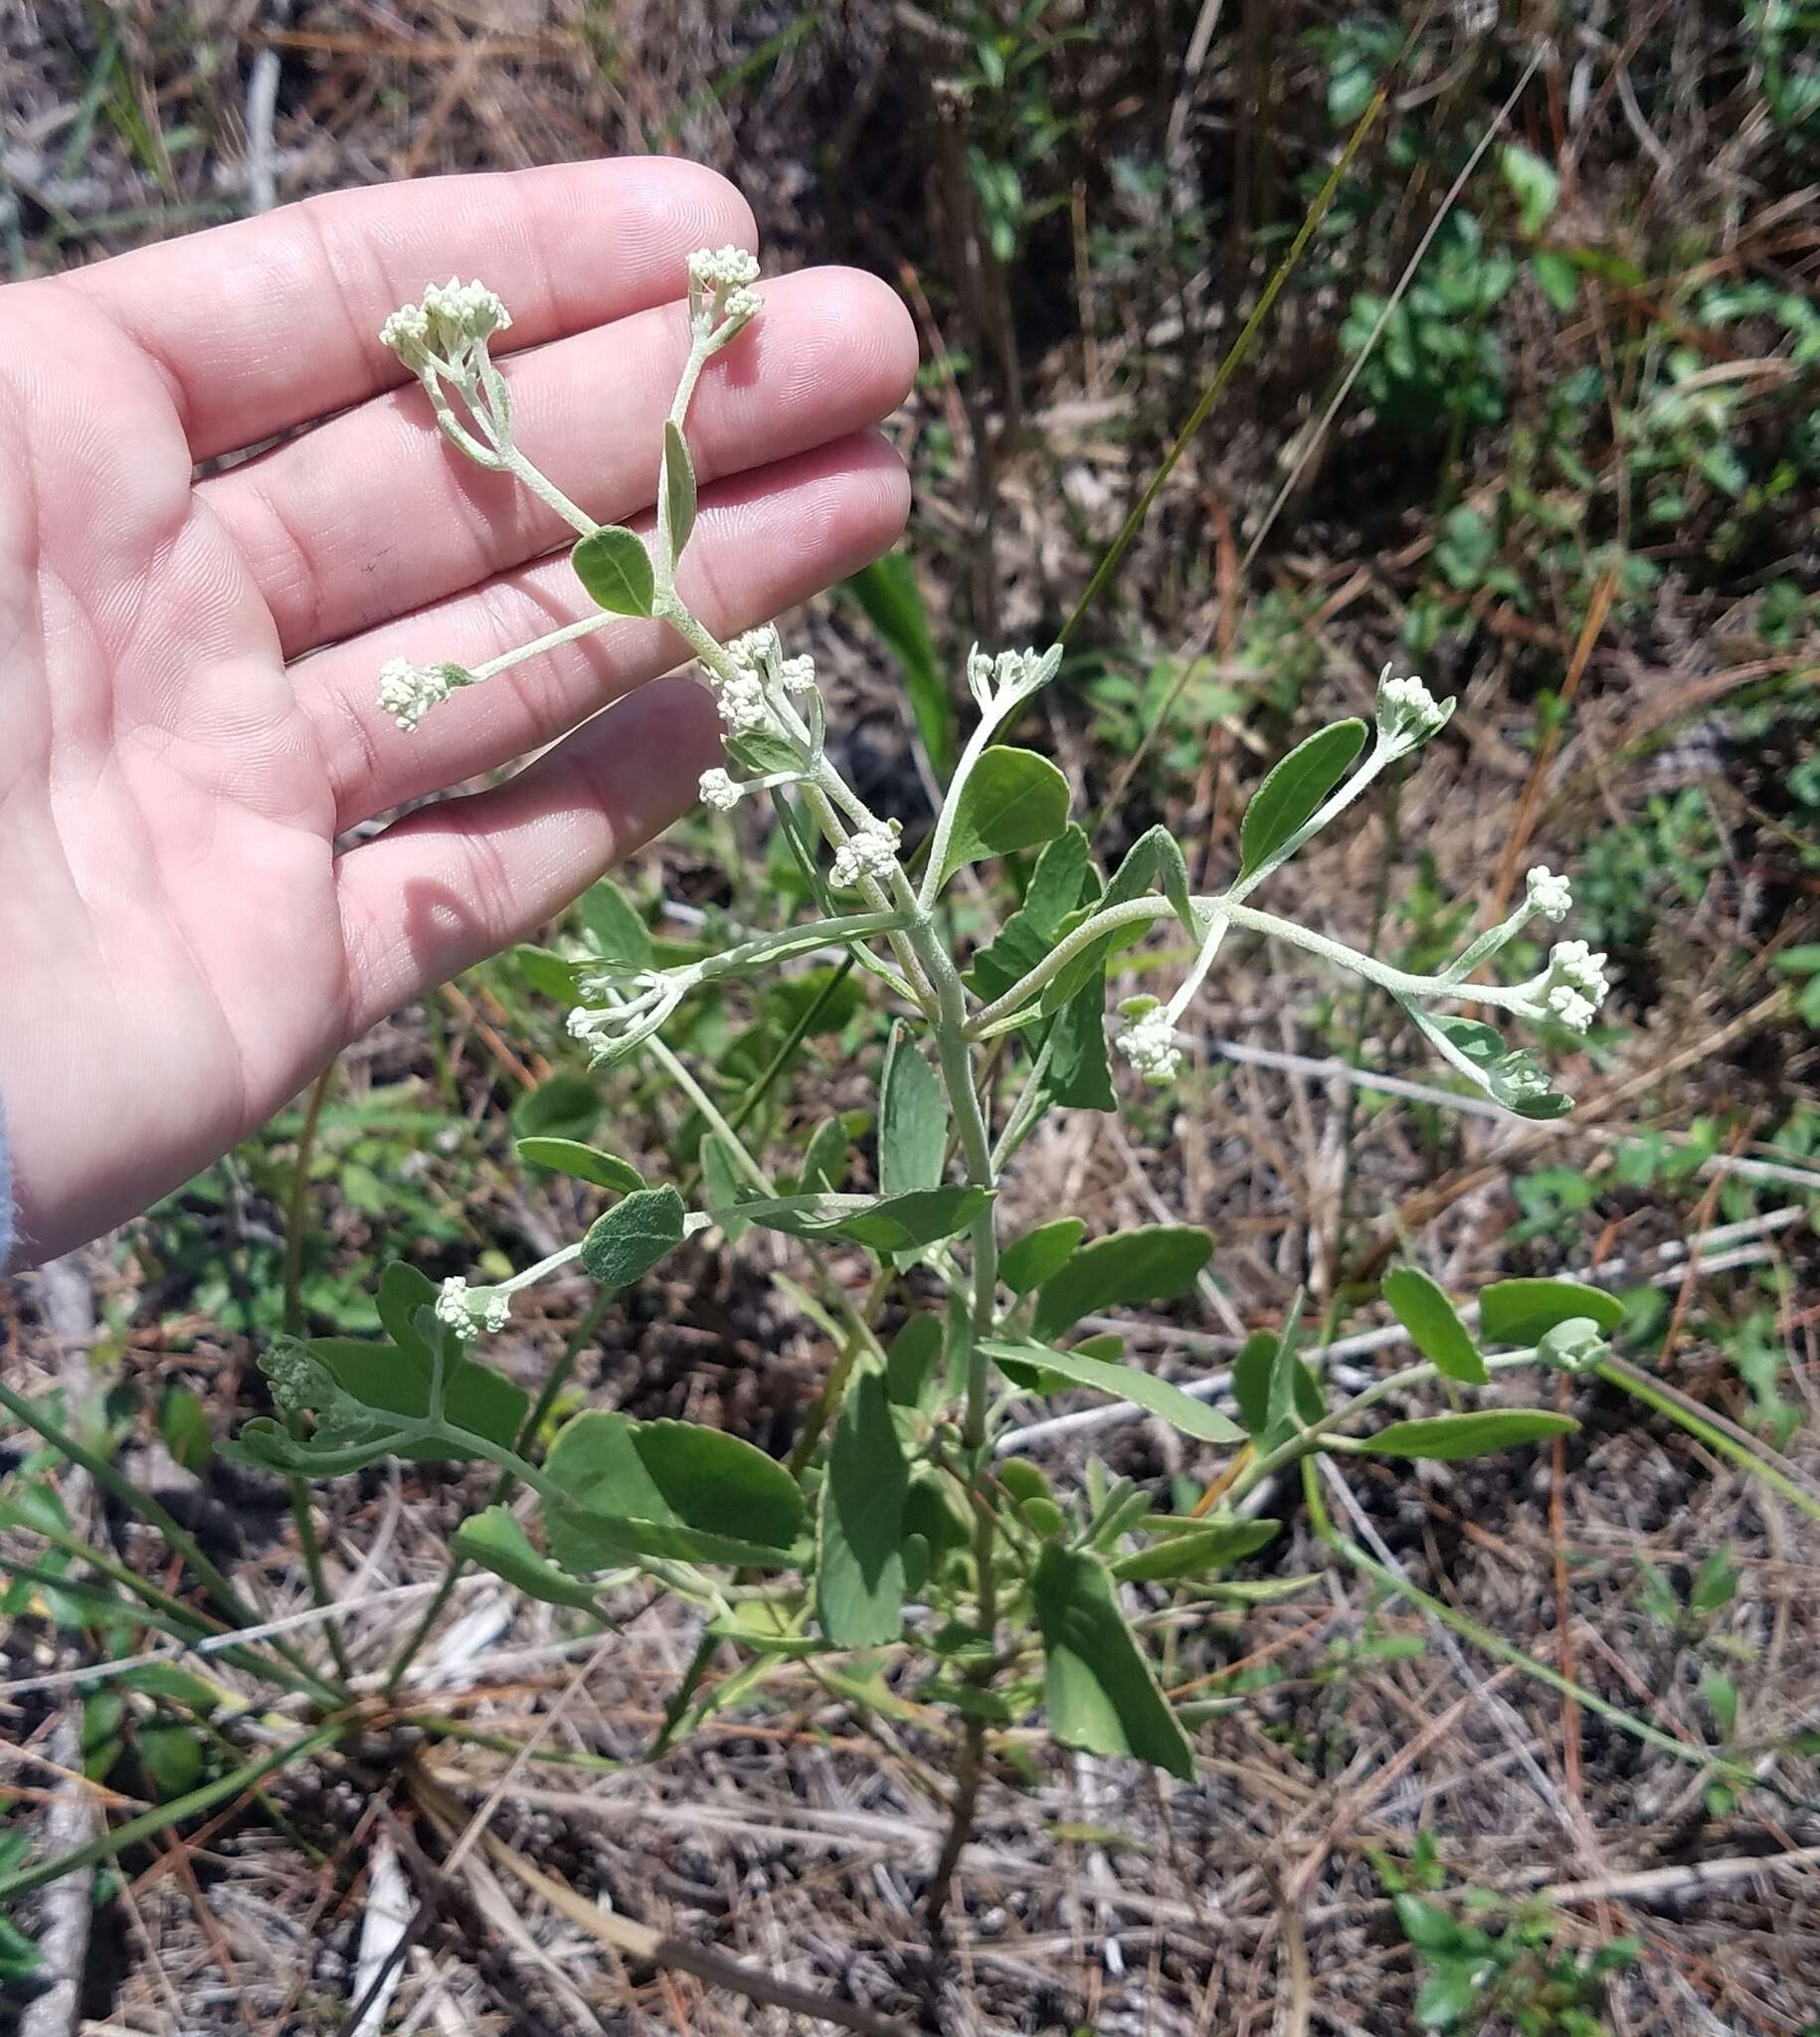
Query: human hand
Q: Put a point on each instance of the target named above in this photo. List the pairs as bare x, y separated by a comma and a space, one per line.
188, 714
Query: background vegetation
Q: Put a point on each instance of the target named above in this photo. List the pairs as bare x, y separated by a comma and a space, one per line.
1534, 411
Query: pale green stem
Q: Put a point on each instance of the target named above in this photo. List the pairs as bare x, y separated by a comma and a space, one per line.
1315, 1433
1133, 912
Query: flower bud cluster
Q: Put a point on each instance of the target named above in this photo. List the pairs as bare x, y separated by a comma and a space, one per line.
1546, 894
720, 791
721, 296
451, 320
1147, 1042
407, 691
1000, 684
466, 1309
1575, 985
1407, 713
869, 851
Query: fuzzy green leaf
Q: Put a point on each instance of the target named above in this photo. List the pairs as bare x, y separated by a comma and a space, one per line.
632, 1236
1437, 1332
679, 487
1013, 799
1294, 791
1100, 1692
615, 568
897, 1223
615, 927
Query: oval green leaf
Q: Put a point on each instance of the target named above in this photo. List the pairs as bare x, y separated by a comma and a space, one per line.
1521, 1312
1100, 1692
1012, 799
859, 1558
1153, 1263
1040, 1253
1436, 1330
496, 1541
632, 1236
582, 1163
679, 487
615, 568
1290, 795
1453, 1436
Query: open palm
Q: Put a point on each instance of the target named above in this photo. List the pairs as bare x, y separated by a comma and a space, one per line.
188, 665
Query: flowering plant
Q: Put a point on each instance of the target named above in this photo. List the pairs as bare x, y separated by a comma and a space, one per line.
907, 1519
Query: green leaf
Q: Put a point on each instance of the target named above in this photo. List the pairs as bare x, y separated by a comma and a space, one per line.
495, 1539
668, 1489
1532, 183
824, 1161
1054, 892
1268, 1376
1100, 1692
1437, 1333
887, 591
384, 1380
1200, 1546
550, 975
615, 568
1013, 799
632, 1236
1294, 789
183, 1422
721, 1182
859, 1562
678, 490
913, 1120
1523, 1312
582, 1163
1080, 1072
171, 1756
912, 1363
565, 1107
1153, 1263
615, 927
1453, 1436
1155, 862
899, 1223
1124, 1382
1558, 276
1040, 1253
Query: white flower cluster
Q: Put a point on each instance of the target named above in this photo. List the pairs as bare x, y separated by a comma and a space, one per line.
721, 296
760, 652
451, 317
1148, 1041
1407, 713
869, 851
1576, 986
998, 683
744, 710
720, 791
467, 1310
1548, 895
407, 691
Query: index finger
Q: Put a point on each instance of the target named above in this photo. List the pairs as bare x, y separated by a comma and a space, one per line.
270, 323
